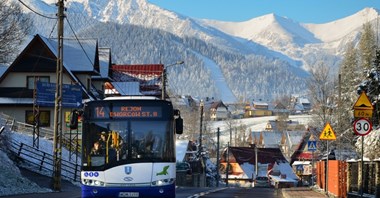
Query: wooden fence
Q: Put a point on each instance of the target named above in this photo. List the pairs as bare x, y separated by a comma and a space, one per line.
345, 178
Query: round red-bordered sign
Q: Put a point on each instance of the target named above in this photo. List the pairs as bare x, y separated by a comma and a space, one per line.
362, 126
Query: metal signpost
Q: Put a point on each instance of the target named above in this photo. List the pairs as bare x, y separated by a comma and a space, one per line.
312, 146
327, 134
362, 126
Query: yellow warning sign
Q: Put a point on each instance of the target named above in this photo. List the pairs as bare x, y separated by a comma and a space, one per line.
327, 133
363, 102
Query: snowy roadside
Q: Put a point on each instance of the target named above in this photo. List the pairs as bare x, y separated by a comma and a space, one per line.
11, 180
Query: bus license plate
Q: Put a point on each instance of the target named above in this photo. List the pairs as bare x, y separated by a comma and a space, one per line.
129, 194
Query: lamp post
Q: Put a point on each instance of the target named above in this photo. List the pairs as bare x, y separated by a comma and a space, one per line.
200, 149
201, 105
164, 77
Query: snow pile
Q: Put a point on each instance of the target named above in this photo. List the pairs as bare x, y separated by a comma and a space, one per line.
11, 180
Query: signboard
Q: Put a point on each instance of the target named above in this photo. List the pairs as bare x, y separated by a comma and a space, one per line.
71, 95
327, 133
105, 112
362, 126
363, 113
312, 145
363, 102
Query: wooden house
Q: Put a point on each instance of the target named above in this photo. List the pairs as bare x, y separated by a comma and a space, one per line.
84, 64
218, 111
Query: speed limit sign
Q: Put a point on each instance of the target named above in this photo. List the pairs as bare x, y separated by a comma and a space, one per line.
362, 126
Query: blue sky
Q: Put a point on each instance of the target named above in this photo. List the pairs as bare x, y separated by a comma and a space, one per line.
304, 11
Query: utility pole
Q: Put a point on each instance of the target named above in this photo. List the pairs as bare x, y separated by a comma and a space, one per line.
217, 157
228, 162
200, 140
57, 144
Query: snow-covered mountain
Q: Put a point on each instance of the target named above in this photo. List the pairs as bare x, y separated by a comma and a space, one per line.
265, 57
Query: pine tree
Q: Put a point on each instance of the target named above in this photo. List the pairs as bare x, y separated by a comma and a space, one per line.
367, 46
351, 75
370, 57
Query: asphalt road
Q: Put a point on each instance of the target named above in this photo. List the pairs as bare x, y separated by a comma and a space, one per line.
69, 190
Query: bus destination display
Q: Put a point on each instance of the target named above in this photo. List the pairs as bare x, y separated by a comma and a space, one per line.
127, 112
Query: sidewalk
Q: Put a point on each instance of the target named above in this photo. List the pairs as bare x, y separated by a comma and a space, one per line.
301, 192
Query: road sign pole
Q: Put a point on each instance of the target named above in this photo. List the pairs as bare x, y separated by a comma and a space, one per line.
327, 170
312, 168
362, 171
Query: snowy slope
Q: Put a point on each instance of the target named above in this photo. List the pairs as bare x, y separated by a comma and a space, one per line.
271, 36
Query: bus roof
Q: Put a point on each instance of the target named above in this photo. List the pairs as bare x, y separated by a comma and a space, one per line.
132, 98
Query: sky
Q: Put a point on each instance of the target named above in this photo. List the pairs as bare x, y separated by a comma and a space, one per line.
303, 11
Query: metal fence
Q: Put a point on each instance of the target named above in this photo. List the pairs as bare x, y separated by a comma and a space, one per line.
34, 159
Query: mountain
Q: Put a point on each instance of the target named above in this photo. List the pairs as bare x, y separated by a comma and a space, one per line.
262, 58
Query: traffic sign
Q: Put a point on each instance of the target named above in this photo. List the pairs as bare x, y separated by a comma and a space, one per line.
327, 133
71, 95
363, 113
363, 102
312, 145
362, 126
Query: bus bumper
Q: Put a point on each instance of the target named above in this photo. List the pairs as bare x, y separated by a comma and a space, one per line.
154, 191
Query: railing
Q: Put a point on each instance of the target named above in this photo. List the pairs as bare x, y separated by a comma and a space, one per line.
42, 161
44, 132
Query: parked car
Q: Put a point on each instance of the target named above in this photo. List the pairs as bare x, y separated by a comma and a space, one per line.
183, 167
262, 181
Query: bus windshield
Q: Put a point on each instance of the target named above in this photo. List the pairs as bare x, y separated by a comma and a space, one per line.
114, 142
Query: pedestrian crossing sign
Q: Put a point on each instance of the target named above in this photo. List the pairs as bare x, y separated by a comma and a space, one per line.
327, 133
312, 145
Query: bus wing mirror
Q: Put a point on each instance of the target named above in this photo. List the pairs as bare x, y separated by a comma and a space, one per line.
179, 125
74, 120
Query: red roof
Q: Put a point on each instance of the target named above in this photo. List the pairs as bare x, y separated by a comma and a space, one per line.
304, 155
150, 69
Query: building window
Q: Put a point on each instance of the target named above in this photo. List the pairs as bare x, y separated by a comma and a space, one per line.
44, 118
30, 80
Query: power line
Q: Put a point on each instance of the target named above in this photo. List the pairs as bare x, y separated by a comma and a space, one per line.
68, 22
48, 17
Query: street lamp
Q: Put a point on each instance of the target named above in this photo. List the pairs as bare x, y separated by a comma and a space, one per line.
164, 77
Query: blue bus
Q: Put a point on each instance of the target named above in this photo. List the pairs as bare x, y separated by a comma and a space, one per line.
128, 147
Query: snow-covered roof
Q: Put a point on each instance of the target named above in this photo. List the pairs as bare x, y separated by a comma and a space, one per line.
272, 139
5, 100
77, 55
2, 69
104, 59
181, 149
285, 168
127, 88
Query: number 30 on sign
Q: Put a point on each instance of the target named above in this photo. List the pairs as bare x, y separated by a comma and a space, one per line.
362, 126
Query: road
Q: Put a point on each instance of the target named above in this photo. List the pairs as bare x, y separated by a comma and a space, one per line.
181, 192
236, 192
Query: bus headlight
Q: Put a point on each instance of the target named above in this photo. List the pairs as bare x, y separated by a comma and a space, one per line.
163, 182
90, 182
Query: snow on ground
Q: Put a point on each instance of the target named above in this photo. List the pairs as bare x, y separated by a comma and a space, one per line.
254, 124
11, 180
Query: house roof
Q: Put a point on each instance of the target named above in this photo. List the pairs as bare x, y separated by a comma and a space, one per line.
149, 76
40, 55
78, 55
104, 64
217, 104
242, 155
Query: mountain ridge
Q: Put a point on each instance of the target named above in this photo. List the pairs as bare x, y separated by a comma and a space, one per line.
250, 63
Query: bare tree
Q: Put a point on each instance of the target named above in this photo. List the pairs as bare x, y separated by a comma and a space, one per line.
14, 26
322, 91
